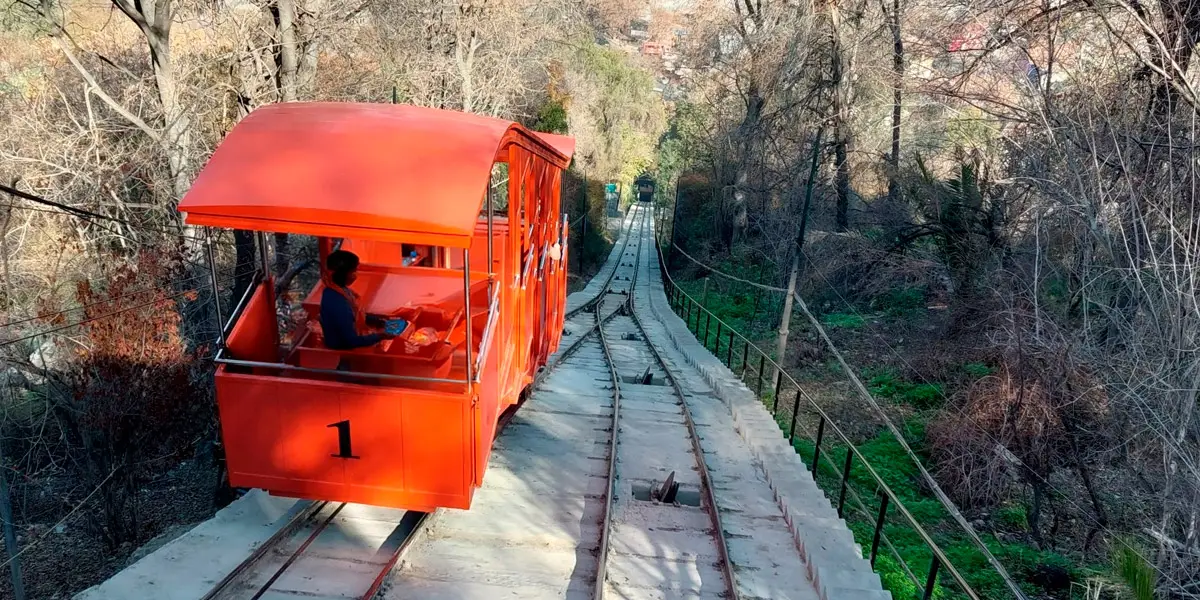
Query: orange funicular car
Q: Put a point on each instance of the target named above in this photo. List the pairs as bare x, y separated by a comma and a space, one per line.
410, 422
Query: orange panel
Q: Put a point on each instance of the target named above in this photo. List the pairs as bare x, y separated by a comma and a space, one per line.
377, 429
299, 167
309, 445
486, 411
256, 334
436, 443
250, 429
347, 442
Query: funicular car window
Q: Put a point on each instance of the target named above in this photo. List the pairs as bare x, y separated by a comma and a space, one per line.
498, 190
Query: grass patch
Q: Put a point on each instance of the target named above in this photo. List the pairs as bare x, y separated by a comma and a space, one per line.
1013, 516
888, 384
908, 551
843, 320
897, 302
904, 557
977, 370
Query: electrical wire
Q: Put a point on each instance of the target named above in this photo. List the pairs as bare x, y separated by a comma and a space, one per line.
962, 413
79, 212
114, 313
46, 533
769, 288
45, 316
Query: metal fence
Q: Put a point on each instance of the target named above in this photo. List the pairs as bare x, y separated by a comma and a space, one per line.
761, 373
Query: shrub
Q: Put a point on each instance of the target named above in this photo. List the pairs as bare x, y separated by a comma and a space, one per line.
1013, 516
898, 301
126, 395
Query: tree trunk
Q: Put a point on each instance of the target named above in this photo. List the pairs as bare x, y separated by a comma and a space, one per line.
310, 47
1034, 516
287, 62
154, 20
841, 114
747, 133
785, 319
842, 181
289, 53
897, 93
283, 254
464, 58
244, 267
797, 257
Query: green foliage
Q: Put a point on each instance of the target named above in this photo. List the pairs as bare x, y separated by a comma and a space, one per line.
977, 370
898, 301
627, 112
1131, 565
972, 129
686, 140
897, 470
891, 463
1013, 516
551, 118
746, 309
963, 218
843, 320
888, 384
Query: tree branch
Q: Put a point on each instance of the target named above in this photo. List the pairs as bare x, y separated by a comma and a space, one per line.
99, 91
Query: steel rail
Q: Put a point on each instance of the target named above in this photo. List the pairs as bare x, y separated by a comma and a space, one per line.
599, 298
609, 279
606, 520
705, 477
606, 516
296, 554
301, 516
413, 524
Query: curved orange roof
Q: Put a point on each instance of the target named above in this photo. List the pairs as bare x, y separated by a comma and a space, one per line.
368, 171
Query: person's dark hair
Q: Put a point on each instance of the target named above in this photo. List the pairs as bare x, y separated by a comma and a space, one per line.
340, 263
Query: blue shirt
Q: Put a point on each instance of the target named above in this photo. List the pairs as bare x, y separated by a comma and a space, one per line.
337, 323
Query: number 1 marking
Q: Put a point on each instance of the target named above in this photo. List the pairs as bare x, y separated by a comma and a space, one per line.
343, 428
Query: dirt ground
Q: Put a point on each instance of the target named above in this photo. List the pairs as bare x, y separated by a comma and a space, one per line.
58, 562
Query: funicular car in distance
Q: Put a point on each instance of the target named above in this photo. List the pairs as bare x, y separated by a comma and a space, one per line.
473, 262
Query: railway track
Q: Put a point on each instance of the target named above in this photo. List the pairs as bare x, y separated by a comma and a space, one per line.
662, 534
636, 499
333, 550
585, 481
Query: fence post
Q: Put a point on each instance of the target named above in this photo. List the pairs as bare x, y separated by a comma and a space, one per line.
778, 384
745, 355
883, 506
717, 346
931, 581
729, 350
10, 537
674, 219
845, 480
762, 361
795, 412
707, 323
817, 447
